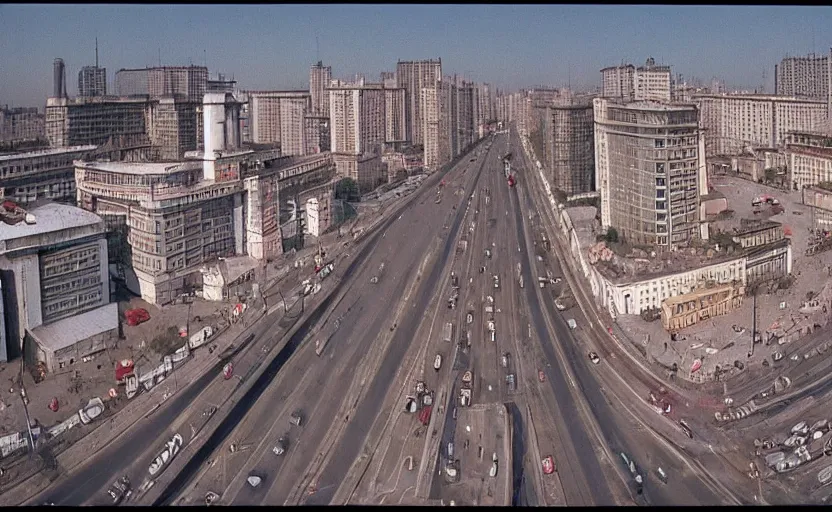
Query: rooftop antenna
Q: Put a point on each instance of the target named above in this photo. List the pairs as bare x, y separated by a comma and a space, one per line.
813, 40
160, 56
96, 52
205, 57
317, 50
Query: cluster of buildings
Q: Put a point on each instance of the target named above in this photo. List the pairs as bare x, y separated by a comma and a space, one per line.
644, 147
172, 178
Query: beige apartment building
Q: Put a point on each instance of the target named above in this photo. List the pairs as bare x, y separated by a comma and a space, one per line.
808, 158
319, 78
364, 117
650, 82
649, 171
805, 77
279, 117
413, 76
21, 124
618, 82
733, 123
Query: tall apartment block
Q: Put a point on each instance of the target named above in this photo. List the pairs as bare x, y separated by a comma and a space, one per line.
436, 114
173, 127
618, 82
131, 82
84, 121
36, 175
413, 76
569, 146
92, 81
190, 82
174, 218
279, 117
319, 78
804, 77
645, 83
364, 117
21, 124
649, 171
485, 107
56, 285
734, 122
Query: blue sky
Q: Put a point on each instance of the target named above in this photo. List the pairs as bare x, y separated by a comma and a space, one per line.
272, 47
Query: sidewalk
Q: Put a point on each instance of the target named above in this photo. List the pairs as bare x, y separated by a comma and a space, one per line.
115, 423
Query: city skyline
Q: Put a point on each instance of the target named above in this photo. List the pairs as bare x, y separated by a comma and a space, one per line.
736, 44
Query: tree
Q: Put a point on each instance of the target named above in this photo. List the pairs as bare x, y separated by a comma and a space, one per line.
612, 235
347, 189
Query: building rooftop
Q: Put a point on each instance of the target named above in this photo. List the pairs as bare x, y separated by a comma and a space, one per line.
46, 152
759, 97
142, 168
69, 331
654, 105
49, 217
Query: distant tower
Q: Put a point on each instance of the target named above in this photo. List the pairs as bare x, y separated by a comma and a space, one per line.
59, 79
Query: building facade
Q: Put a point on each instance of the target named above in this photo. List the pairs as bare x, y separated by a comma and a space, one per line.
804, 77
316, 135
808, 158
319, 78
650, 82
131, 82
648, 171
35, 175
569, 147
279, 117
54, 270
92, 81
95, 120
21, 124
173, 128
618, 82
734, 123
413, 76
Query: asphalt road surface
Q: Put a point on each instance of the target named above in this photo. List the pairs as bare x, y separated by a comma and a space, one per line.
141, 445
619, 432
320, 386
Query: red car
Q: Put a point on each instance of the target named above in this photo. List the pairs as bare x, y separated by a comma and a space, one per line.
541, 375
549, 465
227, 371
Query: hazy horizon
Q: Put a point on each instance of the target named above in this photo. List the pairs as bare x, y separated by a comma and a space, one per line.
508, 46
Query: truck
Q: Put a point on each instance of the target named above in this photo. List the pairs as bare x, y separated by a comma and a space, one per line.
448, 332
424, 415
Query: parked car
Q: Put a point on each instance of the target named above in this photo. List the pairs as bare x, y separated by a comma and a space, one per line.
594, 358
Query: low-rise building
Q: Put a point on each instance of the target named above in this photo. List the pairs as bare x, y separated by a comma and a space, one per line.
631, 286
688, 309
368, 171
808, 158
56, 288
48, 174
228, 277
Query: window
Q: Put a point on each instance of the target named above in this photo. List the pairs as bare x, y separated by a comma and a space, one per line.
660, 168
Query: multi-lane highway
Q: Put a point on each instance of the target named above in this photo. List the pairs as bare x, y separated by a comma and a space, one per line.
349, 375
340, 392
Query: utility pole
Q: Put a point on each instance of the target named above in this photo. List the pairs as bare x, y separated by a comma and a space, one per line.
753, 321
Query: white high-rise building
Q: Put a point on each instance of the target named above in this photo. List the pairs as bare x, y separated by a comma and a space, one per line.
319, 78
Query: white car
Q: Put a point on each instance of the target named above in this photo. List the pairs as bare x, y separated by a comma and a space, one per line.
594, 358
437, 362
